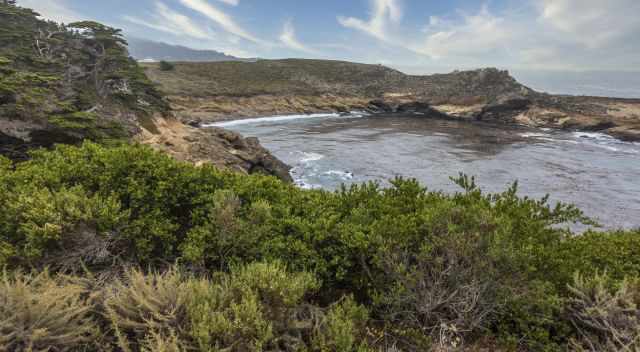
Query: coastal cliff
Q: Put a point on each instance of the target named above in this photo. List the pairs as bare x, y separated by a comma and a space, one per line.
208, 92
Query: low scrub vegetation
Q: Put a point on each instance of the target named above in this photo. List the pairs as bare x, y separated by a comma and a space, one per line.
124, 249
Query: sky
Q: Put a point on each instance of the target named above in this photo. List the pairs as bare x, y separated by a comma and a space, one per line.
417, 36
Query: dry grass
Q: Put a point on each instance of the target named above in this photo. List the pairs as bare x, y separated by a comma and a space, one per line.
295, 77
149, 308
39, 313
607, 318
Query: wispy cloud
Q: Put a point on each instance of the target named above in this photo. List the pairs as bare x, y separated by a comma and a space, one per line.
231, 2
288, 38
58, 11
593, 23
222, 19
384, 13
470, 35
167, 20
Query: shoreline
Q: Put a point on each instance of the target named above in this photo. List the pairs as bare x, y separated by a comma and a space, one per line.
231, 120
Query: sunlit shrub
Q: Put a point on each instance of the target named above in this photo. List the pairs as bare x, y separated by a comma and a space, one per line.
255, 304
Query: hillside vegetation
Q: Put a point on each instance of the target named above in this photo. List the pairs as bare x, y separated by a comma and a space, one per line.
293, 76
67, 83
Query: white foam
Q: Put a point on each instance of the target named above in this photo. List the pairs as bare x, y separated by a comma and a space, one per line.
309, 157
304, 185
343, 175
268, 119
605, 141
594, 135
534, 135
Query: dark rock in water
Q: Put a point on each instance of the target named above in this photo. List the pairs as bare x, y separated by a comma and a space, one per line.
625, 133
599, 126
261, 160
421, 108
505, 108
413, 107
378, 106
342, 110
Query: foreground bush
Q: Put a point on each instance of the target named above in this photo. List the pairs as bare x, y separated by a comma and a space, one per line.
258, 307
433, 269
607, 318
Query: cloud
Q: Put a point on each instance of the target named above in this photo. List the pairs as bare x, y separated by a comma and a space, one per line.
167, 20
384, 13
593, 23
470, 35
222, 19
58, 11
231, 2
288, 38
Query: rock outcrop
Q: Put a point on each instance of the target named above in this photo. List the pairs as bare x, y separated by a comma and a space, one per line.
222, 148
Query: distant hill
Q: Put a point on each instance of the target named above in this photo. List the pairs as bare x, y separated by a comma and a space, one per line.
220, 90
143, 49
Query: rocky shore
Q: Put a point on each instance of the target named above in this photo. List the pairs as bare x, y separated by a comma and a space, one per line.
222, 148
205, 93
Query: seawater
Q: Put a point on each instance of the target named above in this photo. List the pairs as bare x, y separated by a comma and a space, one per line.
598, 173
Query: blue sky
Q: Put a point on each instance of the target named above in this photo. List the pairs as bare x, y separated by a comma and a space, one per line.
418, 36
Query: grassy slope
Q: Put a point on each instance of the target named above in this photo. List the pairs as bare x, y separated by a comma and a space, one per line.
293, 76
314, 77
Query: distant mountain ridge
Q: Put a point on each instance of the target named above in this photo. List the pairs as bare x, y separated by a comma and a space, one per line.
144, 49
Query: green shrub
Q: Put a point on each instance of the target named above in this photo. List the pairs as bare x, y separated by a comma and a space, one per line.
55, 227
166, 66
250, 309
532, 319
617, 253
343, 328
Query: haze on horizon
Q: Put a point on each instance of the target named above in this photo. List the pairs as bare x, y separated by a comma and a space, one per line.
412, 35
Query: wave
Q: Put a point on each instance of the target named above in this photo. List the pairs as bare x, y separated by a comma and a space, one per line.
343, 175
607, 142
534, 135
277, 118
304, 185
595, 136
309, 157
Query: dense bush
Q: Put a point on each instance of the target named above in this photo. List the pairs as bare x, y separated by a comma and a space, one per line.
432, 268
166, 66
